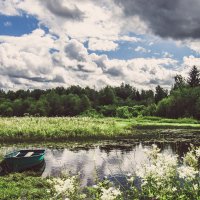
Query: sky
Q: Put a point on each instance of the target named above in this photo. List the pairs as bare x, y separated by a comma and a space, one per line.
50, 43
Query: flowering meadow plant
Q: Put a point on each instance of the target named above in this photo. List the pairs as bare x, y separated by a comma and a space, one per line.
160, 177
104, 191
163, 177
67, 188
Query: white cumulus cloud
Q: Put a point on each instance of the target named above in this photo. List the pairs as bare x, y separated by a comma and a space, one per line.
95, 44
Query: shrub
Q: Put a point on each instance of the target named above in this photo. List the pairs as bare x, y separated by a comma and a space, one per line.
149, 110
91, 113
108, 111
123, 112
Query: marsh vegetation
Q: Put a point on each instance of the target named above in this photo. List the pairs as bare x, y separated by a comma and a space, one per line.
31, 129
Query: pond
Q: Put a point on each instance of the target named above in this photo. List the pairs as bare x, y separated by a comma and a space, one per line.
98, 160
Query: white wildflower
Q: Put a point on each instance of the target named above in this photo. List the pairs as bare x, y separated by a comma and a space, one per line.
187, 172
153, 152
83, 196
95, 186
65, 186
144, 183
129, 174
174, 189
197, 151
146, 151
110, 193
196, 187
131, 179
160, 168
190, 159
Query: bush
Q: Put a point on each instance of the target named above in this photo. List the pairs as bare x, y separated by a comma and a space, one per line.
91, 113
137, 110
107, 111
163, 108
123, 112
149, 110
197, 109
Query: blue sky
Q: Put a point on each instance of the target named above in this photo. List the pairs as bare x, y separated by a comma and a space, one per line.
45, 44
17, 25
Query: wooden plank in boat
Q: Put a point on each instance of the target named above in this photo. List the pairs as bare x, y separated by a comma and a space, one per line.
17, 154
29, 154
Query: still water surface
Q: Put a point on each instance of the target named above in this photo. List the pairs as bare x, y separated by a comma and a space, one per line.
98, 161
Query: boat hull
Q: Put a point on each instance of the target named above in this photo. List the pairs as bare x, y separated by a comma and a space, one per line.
19, 164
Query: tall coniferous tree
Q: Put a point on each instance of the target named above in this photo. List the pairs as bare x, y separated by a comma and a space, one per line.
160, 94
179, 82
194, 77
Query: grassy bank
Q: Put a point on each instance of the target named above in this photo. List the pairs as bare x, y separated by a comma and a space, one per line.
50, 129
21, 186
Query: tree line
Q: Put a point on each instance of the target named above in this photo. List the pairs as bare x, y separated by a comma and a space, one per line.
125, 101
184, 98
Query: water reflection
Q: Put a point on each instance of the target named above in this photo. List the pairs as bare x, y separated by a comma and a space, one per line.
99, 161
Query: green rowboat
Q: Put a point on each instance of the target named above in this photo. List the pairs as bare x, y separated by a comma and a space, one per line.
22, 160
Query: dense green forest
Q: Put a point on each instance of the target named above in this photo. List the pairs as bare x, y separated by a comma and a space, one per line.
125, 101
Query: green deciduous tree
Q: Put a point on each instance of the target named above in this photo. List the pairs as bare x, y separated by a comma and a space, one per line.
85, 103
71, 104
107, 96
6, 109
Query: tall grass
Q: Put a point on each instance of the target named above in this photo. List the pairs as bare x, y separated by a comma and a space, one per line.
165, 120
22, 186
28, 128
64, 128
158, 122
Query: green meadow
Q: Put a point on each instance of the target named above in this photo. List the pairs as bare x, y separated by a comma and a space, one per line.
29, 129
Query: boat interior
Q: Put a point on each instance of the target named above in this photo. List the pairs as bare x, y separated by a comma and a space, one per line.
26, 153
